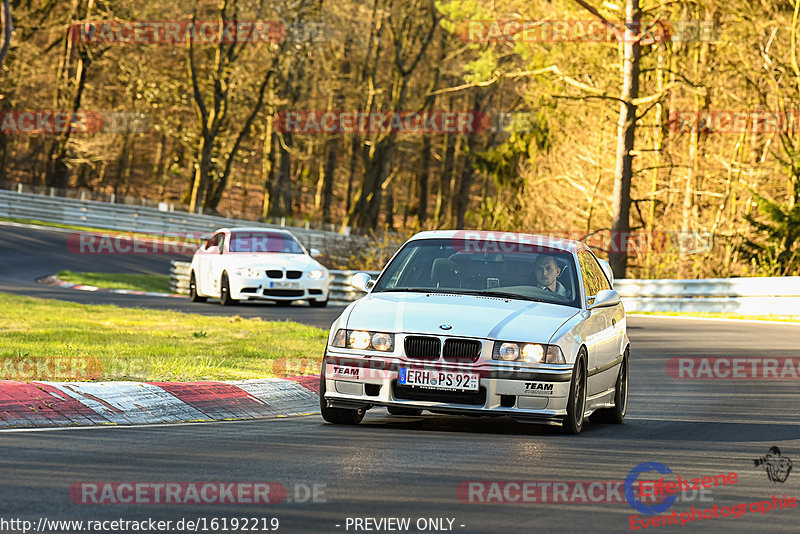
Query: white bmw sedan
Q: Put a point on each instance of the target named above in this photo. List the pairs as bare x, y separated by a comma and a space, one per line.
481, 323
256, 263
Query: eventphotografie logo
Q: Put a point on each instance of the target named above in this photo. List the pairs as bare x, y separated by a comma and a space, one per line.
778, 467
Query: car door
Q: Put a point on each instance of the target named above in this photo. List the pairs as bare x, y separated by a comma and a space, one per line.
601, 375
217, 262
209, 257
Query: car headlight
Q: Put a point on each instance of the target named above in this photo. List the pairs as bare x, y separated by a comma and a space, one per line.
248, 272
362, 340
316, 274
527, 352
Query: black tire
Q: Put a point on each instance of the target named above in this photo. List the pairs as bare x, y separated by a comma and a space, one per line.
336, 416
225, 292
576, 403
397, 410
318, 303
616, 415
193, 296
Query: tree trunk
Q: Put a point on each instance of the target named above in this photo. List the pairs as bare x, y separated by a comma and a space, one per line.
626, 130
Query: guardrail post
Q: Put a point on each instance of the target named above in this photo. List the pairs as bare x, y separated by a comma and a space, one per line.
113, 197
52, 191
19, 188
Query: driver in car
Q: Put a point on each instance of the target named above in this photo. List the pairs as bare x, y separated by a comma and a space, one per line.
547, 271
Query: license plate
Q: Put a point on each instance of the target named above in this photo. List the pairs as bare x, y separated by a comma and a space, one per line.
438, 379
284, 285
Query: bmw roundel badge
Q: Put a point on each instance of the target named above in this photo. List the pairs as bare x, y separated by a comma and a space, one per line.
445, 326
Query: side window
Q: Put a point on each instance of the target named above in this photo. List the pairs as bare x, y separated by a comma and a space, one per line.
600, 275
215, 241
589, 272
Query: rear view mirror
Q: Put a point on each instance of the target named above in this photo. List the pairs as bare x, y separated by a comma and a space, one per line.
362, 281
314, 253
605, 299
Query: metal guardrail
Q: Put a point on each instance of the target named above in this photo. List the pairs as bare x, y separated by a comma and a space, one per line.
341, 294
144, 219
747, 296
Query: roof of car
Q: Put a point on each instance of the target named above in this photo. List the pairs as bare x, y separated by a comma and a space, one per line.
555, 242
252, 229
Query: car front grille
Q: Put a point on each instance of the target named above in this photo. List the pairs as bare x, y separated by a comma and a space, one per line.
283, 293
423, 347
462, 350
294, 275
274, 273
470, 398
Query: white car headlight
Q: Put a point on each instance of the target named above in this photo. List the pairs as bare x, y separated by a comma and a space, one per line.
361, 340
316, 274
249, 272
527, 352
508, 352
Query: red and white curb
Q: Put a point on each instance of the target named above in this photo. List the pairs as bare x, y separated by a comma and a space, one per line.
53, 280
59, 404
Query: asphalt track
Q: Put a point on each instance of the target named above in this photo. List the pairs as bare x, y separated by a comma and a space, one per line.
412, 466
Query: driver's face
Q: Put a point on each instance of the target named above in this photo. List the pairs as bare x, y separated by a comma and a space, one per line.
547, 272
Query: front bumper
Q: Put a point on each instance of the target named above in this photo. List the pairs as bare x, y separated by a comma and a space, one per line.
527, 393
246, 288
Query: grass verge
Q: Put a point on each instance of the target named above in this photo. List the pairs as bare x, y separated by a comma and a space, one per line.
709, 315
44, 339
156, 283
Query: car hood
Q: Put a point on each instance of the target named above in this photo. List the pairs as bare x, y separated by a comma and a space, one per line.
468, 315
274, 260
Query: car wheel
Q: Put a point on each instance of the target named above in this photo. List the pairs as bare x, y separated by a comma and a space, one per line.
318, 303
397, 410
616, 415
225, 291
193, 296
337, 416
576, 403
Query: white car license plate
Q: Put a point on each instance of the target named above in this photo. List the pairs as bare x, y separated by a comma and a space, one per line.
284, 285
438, 379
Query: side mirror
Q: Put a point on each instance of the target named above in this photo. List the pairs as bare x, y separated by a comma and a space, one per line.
605, 298
607, 269
362, 281
314, 252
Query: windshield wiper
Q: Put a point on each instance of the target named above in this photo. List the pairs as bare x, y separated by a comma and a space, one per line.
508, 295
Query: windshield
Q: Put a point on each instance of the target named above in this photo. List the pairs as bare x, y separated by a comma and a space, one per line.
259, 242
448, 266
